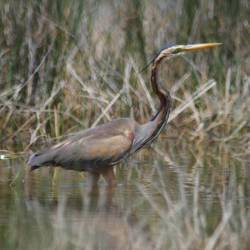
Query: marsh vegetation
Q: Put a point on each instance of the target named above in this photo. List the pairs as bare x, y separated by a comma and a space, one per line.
66, 66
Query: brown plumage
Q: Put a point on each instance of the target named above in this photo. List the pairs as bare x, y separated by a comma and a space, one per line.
98, 149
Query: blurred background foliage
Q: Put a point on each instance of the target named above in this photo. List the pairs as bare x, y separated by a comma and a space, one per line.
62, 62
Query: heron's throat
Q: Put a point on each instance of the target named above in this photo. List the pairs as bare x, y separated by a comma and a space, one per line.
162, 94
149, 131
161, 117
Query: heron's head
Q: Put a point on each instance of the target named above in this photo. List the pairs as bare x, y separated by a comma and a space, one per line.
173, 51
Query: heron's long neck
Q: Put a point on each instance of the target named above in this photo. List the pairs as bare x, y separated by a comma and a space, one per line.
150, 130
162, 115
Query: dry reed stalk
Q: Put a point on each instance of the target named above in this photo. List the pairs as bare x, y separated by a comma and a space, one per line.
178, 84
145, 89
197, 94
89, 90
227, 94
56, 121
127, 75
109, 106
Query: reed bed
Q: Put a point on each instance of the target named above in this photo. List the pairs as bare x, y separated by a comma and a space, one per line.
67, 66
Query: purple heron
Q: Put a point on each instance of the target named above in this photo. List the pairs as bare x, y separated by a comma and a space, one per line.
97, 150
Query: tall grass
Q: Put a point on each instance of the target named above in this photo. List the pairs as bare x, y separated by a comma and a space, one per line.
64, 65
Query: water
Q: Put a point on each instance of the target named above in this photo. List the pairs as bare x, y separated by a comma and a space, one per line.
156, 205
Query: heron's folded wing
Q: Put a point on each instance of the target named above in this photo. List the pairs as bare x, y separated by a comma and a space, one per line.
109, 148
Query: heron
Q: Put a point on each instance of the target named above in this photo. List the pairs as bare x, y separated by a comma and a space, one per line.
97, 150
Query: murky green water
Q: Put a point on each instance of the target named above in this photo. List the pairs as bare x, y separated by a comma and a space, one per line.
156, 205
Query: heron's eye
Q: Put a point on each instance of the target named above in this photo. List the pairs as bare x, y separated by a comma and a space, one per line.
176, 51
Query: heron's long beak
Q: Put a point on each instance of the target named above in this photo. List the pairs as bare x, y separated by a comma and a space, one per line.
196, 47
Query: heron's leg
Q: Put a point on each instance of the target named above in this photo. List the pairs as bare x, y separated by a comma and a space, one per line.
109, 176
93, 178
82, 174
29, 183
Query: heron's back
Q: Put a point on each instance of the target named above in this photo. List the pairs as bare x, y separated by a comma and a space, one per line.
96, 147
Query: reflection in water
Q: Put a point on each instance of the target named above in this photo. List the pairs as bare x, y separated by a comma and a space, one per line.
192, 203
98, 221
